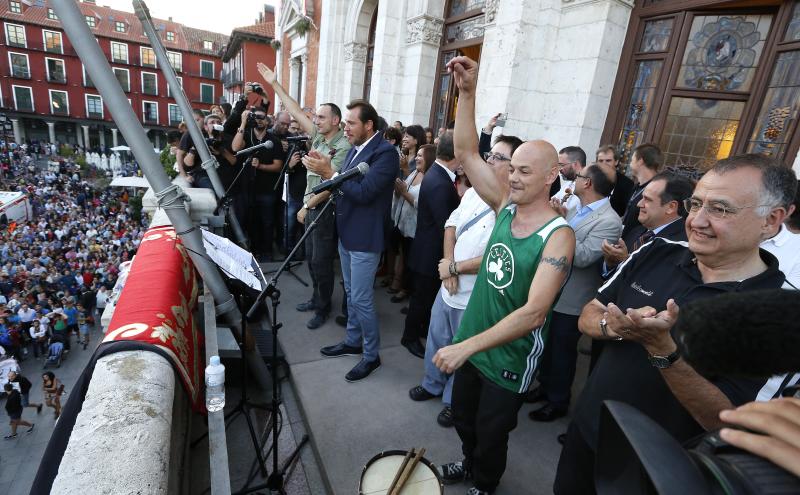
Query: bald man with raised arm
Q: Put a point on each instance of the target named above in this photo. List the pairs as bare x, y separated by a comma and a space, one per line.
497, 348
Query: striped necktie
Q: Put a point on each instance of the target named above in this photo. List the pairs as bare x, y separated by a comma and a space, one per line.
643, 239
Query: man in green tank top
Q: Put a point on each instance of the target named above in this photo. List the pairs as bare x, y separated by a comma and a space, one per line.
496, 350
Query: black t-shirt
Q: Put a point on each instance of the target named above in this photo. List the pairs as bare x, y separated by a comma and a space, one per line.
264, 182
14, 403
659, 271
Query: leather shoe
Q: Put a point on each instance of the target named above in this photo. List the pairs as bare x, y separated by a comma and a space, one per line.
316, 321
306, 306
362, 370
445, 417
547, 413
341, 349
341, 320
415, 348
535, 395
419, 394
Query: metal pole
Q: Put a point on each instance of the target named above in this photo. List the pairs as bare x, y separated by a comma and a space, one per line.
170, 197
209, 163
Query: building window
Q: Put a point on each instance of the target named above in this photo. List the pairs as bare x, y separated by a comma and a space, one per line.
150, 109
175, 60
206, 93
149, 83
15, 35
119, 26
119, 53
175, 116
14, 7
94, 106
207, 69
87, 81
208, 45
779, 108
23, 98
370, 56
51, 14
170, 36
148, 56
180, 82
59, 103
20, 67
123, 76
55, 70
52, 42
91, 21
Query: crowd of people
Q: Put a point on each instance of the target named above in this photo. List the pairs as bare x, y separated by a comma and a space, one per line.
58, 265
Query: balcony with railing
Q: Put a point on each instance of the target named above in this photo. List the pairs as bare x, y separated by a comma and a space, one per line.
231, 78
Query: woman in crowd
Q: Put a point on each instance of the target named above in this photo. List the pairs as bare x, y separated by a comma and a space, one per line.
52, 388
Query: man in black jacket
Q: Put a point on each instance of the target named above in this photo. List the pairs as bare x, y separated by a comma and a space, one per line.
608, 157
14, 410
25, 389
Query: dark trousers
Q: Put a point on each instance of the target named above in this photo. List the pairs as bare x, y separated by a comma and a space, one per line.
265, 206
320, 250
575, 473
419, 306
558, 362
484, 414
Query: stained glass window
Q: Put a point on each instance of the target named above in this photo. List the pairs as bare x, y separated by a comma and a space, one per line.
656, 35
699, 132
793, 31
465, 30
640, 107
779, 107
722, 52
441, 102
458, 7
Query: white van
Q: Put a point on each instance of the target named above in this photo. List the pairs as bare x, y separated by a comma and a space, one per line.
14, 205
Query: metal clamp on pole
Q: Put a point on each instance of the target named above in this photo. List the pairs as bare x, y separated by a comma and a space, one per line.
177, 201
210, 163
226, 306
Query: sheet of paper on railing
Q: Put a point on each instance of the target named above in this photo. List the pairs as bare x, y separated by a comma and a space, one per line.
234, 261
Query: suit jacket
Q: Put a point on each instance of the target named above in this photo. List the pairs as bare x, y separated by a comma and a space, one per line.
437, 200
362, 209
623, 190
676, 231
602, 224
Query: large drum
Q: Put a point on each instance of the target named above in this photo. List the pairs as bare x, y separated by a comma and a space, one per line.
379, 472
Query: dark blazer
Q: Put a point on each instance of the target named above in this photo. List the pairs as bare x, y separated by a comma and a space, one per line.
630, 219
437, 200
676, 231
365, 202
623, 190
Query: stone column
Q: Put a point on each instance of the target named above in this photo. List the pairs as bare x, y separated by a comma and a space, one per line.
355, 59
51, 131
414, 92
158, 139
114, 137
78, 135
103, 137
17, 130
86, 142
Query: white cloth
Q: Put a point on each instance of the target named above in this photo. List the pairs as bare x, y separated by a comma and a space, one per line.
469, 244
572, 203
450, 173
786, 247
101, 299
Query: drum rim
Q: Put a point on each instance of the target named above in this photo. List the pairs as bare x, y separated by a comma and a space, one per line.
387, 453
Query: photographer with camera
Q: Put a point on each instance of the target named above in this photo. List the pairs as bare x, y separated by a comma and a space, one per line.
219, 144
327, 138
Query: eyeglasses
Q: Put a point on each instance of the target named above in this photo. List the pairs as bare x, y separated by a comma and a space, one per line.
715, 210
583, 176
259, 117
496, 157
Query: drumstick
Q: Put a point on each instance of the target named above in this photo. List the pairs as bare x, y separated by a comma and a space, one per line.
400, 470
407, 472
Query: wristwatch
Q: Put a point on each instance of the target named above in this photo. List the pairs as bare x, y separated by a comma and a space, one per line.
664, 362
305, 206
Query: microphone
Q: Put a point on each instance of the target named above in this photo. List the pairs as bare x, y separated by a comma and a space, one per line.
267, 145
360, 169
749, 334
294, 139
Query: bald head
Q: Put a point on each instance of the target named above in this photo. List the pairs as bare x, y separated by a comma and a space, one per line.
538, 152
534, 168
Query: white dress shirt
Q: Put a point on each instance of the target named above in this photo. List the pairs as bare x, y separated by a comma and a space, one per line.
786, 247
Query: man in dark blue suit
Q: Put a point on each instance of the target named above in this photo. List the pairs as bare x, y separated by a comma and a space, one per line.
361, 213
438, 198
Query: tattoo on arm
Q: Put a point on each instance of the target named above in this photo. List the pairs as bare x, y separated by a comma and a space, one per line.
560, 264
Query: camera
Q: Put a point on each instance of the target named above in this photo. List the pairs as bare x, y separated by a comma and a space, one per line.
257, 88
215, 140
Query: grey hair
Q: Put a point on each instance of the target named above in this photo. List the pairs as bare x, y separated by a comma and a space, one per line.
778, 182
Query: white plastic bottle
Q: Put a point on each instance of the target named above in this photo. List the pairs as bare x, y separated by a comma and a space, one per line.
215, 385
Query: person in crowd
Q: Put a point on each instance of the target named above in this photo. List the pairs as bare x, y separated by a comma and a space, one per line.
466, 233
327, 138
83, 326
362, 210
785, 244
594, 223
14, 409
413, 138
53, 389
194, 175
737, 204
398, 125
608, 156
25, 386
646, 162
429, 135
404, 216
571, 162
438, 198
793, 220
497, 348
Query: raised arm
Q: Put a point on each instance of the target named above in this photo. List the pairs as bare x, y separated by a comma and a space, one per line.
290, 103
465, 136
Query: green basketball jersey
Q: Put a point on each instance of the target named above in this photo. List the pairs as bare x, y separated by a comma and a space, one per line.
503, 285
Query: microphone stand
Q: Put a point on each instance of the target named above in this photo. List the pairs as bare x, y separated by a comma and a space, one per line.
275, 480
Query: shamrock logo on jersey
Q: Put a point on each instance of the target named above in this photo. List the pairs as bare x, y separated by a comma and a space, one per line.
500, 266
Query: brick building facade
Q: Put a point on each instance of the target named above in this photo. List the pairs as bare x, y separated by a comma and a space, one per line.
47, 94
